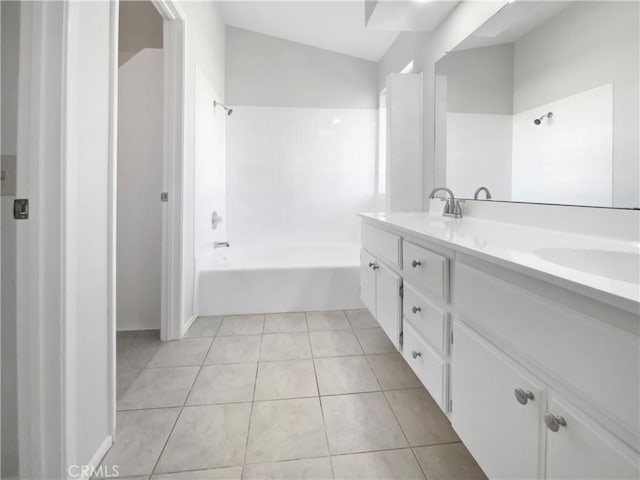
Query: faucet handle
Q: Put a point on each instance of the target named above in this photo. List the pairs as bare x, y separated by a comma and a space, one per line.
457, 209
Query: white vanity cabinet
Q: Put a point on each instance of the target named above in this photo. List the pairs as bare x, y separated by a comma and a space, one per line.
381, 285
539, 381
581, 449
497, 408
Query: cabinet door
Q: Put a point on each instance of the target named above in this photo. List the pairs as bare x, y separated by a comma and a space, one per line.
388, 302
368, 281
581, 449
502, 434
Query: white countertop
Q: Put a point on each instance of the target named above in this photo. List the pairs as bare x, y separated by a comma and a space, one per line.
515, 247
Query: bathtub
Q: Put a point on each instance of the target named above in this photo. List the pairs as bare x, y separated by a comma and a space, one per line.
278, 278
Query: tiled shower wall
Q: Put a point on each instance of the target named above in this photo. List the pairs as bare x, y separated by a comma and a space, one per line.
299, 174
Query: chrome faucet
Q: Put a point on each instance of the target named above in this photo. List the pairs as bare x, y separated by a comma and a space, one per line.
220, 244
482, 189
452, 208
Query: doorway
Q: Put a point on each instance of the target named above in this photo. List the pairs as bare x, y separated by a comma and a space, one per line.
139, 187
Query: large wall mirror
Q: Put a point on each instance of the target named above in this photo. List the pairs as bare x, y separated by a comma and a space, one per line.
541, 105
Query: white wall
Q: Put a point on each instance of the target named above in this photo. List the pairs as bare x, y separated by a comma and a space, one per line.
567, 159
269, 71
139, 218
479, 80
205, 53
86, 214
588, 45
479, 153
9, 90
299, 174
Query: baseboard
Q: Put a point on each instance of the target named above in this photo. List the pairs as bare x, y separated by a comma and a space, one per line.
95, 461
187, 325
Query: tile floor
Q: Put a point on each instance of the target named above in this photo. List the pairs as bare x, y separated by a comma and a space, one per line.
314, 395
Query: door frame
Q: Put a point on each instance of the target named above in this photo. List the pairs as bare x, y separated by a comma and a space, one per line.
174, 70
45, 384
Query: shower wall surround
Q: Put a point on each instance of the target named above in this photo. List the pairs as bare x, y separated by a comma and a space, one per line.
298, 175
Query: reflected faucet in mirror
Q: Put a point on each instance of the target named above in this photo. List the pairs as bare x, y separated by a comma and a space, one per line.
482, 189
452, 206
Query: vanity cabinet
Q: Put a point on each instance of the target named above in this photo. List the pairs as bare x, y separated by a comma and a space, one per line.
581, 449
368, 281
540, 382
381, 285
496, 408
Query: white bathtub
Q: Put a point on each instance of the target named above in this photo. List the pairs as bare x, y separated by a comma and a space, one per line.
279, 278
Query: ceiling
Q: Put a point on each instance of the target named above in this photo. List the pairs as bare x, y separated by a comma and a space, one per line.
515, 20
333, 25
410, 15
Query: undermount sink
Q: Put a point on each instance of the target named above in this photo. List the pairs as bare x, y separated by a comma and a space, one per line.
623, 266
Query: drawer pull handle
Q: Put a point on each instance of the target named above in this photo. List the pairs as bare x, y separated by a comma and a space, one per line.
554, 422
416, 309
523, 396
415, 354
373, 265
416, 263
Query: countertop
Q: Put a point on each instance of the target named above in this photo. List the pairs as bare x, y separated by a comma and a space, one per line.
522, 248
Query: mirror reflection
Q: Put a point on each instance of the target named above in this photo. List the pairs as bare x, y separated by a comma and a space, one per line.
540, 105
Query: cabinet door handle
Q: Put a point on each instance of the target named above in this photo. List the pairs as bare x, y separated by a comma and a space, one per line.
416, 309
554, 422
416, 264
371, 264
375, 266
523, 396
415, 354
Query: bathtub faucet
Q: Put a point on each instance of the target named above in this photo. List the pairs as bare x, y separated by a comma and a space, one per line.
220, 244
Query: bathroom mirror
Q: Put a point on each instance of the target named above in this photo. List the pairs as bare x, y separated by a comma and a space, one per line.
541, 105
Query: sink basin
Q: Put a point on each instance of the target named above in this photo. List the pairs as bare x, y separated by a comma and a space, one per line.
624, 266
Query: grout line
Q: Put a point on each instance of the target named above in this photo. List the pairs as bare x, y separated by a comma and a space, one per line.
253, 401
204, 357
324, 422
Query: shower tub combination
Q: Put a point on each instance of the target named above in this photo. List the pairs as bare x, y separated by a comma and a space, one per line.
279, 278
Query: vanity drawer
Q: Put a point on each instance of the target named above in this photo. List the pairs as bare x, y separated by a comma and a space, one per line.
382, 244
427, 365
428, 320
574, 350
426, 270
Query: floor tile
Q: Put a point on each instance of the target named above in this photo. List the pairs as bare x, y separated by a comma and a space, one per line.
339, 375
420, 417
285, 322
308, 469
331, 320
286, 430
134, 350
334, 343
392, 372
226, 473
285, 346
388, 465
286, 379
139, 441
204, 327
224, 384
243, 348
207, 437
361, 319
181, 353
449, 462
159, 387
374, 340
241, 325
360, 423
